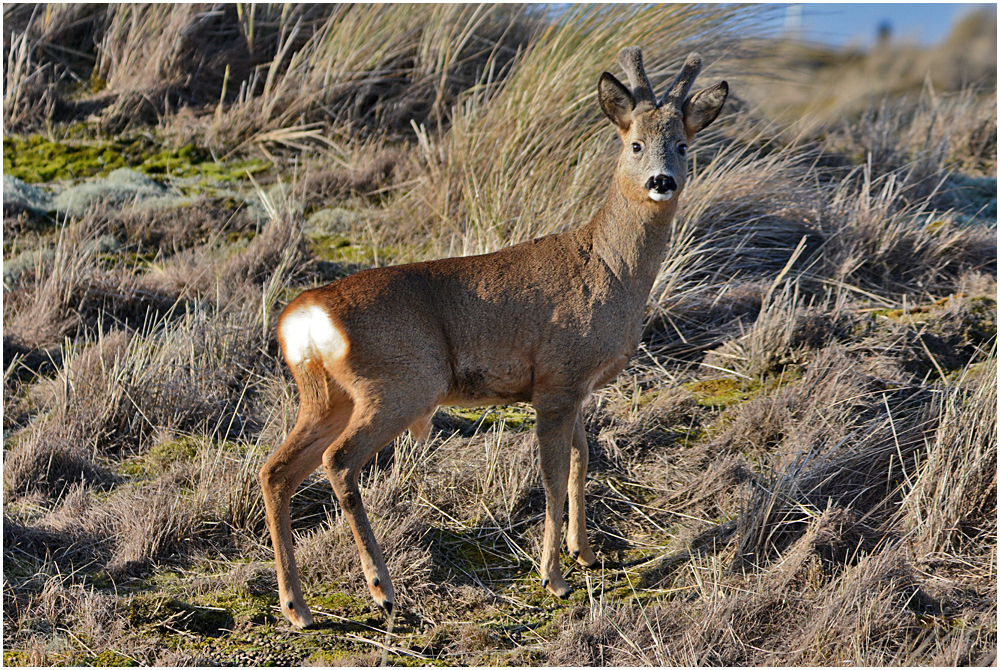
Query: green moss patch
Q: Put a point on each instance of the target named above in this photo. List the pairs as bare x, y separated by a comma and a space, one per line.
950, 330
165, 453
191, 161
720, 393
37, 159
160, 457
341, 603
914, 314
15, 659
979, 314
110, 659
242, 606
344, 249
515, 418
159, 610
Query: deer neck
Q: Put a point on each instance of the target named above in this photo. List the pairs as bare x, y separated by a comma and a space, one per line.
631, 238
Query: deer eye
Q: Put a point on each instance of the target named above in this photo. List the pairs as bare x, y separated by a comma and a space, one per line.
636, 147
682, 149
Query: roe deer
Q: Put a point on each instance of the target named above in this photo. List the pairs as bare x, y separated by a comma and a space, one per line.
545, 321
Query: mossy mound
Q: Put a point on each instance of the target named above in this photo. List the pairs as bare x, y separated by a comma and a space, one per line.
110, 659
720, 393
37, 159
516, 418
149, 609
161, 457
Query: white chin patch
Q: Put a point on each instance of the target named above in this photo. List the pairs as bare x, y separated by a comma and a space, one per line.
661, 197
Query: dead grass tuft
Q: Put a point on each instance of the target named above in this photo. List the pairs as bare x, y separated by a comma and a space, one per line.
77, 296
173, 230
952, 505
368, 176
50, 462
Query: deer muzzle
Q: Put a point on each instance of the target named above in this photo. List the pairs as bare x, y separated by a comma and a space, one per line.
661, 187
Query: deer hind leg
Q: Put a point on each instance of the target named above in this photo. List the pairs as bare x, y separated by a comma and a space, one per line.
369, 430
322, 417
556, 425
576, 532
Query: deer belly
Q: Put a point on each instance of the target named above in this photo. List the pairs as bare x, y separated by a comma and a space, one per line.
477, 384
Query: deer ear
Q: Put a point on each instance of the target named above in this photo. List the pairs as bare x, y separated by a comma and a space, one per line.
703, 107
616, 100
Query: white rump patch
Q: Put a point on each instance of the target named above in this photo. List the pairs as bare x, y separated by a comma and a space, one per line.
661, 197
309, 332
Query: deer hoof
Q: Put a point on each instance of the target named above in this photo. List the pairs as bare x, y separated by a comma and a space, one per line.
557, 587
586, 558
300, 616
381, 592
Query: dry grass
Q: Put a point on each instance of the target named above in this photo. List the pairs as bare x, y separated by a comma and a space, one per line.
798, 467
482, 188
263, 67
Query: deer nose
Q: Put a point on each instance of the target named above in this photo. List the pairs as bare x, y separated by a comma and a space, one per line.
661, 183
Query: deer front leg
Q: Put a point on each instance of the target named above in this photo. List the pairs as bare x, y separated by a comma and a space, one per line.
555, 427
576, 533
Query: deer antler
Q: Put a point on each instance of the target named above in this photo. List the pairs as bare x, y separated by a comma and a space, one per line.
630, 60
679, 90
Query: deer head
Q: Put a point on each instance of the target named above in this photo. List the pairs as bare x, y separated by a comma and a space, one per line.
652, 167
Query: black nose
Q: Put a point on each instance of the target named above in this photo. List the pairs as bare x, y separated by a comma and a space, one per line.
661, 183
